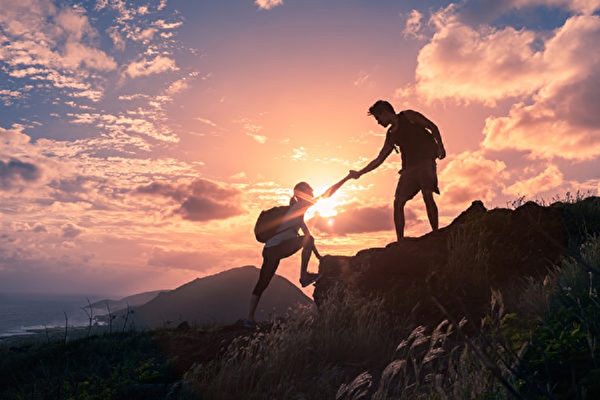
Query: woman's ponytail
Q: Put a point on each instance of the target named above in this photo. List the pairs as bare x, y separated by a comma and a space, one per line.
293, 200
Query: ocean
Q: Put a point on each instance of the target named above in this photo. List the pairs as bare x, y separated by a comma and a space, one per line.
20, 312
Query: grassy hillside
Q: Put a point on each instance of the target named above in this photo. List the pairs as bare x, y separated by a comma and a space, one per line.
534, 338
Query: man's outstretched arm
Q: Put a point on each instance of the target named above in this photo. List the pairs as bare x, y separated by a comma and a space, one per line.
418, 118
383, 154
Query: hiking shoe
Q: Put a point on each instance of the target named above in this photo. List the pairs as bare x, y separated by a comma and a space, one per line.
308, 279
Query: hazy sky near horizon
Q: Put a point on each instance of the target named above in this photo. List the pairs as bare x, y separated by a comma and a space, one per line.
140, 139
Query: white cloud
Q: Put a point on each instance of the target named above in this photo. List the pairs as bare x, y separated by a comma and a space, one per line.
177, 86
206, 121
41, 34
145, 67
258, 138
299, 153
267, 4
162, 24
123, 123
362, 79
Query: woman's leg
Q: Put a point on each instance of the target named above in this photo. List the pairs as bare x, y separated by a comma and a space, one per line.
307, 248
279, 252
267, 270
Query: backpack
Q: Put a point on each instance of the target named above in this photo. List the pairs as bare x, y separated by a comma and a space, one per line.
268, 222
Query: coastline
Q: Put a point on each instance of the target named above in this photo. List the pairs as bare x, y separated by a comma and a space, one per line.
35, 335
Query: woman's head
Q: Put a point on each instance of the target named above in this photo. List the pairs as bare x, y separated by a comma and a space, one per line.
303, 192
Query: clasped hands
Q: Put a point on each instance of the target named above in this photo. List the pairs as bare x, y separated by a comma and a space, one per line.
354, 174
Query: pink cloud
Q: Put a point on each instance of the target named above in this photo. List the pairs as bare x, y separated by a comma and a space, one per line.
482, 64
356, 218
200, 200
413, 25
553, 82
548, 179
470, 176
562, 119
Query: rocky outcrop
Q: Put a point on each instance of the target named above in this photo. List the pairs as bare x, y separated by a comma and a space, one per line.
460, 264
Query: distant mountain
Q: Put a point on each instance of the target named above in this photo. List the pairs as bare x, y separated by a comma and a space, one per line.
218, 299
134, 300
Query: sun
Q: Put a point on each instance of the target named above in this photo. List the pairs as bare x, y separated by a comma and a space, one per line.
326, 208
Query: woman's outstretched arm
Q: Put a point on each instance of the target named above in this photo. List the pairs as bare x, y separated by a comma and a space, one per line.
329, 192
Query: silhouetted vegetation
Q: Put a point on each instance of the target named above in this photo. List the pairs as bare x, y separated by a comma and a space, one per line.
540, 340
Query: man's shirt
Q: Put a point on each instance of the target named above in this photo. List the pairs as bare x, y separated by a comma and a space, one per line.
415, 142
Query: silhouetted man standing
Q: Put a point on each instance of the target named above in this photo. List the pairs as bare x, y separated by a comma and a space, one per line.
420, 144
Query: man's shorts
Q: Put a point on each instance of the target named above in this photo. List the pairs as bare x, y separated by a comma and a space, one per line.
422, 176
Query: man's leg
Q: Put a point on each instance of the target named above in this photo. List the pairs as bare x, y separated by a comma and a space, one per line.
432, 210
399, 217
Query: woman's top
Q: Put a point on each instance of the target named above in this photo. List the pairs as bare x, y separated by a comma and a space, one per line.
289, 227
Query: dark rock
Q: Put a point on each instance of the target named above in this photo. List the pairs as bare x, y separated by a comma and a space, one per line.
183, 326
460, 264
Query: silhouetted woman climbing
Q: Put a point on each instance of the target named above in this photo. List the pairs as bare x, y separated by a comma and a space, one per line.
286, 241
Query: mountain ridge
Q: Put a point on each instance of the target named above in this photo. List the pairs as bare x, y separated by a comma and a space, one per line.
221, 298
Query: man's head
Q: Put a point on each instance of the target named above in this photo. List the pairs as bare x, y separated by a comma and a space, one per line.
383, 112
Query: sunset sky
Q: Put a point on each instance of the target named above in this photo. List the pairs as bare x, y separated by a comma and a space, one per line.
140, 139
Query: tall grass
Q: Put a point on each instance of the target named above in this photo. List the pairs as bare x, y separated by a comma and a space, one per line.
307, 355
547, 347
351, 349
